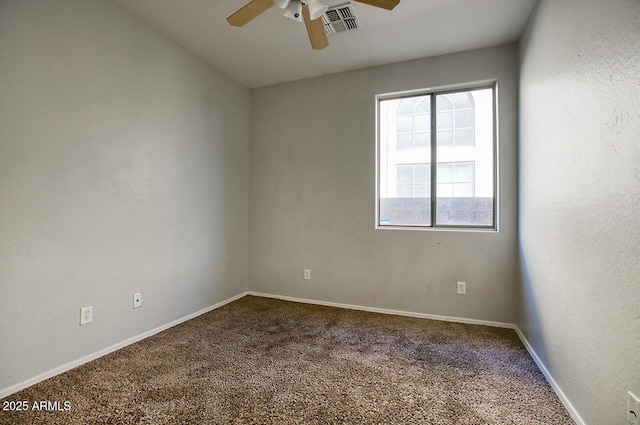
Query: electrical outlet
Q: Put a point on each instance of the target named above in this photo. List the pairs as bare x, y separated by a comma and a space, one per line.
633, 409
462, 288
86, 315
137, 300
307, 274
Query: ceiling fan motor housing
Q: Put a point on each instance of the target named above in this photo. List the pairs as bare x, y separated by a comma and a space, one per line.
293, 8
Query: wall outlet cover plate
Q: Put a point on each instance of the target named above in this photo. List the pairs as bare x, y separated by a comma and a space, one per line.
137, 300
462, 288
86, 315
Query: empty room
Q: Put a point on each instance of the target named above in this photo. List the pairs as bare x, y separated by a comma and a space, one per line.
320, 212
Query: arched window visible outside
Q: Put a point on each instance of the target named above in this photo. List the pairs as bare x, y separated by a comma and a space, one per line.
413, 122
437, 171
455, 119
413, 180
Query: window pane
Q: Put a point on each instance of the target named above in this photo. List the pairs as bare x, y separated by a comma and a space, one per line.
404, 170
423, 173
424, 107
422, 140
462, 190
406, 106
465, 176
405, 141
421, 123
443, 103
445, 190
464, 118
465, 137
445, 173
422, 190
445, 138
405, 124
461, 100
405, 173
405, 190
445, 120
463, 172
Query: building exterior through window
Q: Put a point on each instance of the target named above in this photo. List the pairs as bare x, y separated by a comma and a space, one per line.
462, 183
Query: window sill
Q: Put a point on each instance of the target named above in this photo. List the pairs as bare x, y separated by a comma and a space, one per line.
441, 229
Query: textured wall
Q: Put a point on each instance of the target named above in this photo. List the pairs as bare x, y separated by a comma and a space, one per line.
123, 168
312, 190
580, 199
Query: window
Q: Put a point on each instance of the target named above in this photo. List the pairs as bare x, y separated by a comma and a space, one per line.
456, 179
437, 171
456, 119
413, 180
412, 123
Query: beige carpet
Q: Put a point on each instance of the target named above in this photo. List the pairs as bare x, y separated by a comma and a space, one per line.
263, 361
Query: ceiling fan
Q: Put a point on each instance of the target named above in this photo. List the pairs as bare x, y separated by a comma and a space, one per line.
309, 10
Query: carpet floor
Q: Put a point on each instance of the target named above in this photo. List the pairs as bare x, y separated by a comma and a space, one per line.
263, 361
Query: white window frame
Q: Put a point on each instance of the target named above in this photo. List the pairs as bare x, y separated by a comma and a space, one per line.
490, 84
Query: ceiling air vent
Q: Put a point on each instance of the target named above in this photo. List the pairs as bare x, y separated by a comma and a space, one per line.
339, 19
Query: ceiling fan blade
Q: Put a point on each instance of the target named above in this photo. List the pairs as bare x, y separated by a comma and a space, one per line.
249, 11
315, 28
385, 4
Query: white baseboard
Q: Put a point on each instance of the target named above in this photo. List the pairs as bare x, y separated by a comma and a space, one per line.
68, 366
563, 398
387, 311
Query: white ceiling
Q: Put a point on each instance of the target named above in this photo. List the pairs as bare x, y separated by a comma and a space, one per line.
272, 49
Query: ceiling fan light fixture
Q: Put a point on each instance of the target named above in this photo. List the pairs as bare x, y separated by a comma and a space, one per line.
316, 8
315, 14
294, 11
282, 4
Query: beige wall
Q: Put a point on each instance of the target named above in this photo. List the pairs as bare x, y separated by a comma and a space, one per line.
123, 168
580, 200
312, 190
